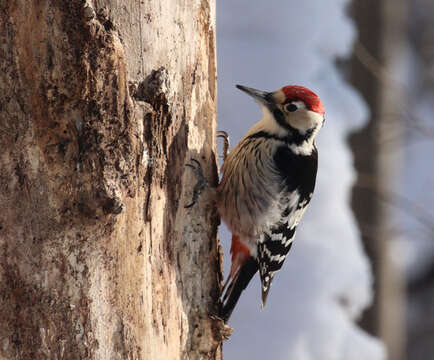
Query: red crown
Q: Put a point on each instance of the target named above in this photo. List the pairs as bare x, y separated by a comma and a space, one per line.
310, 99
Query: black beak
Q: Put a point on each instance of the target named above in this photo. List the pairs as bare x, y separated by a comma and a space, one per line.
262, 96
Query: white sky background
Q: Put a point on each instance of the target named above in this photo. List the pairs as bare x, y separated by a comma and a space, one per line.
267, 45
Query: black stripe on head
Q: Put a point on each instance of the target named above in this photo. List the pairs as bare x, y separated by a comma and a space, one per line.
293, 137
280, 118
296, 136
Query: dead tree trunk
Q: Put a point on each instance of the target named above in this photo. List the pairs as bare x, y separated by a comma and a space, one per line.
101, 105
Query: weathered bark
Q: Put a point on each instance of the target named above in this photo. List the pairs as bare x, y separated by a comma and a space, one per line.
101, 105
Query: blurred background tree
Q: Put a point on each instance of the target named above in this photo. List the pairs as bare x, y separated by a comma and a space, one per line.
393, 68
375, 166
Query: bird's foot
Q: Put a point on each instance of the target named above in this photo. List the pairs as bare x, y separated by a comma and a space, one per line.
225, 136
201, 184
222, 330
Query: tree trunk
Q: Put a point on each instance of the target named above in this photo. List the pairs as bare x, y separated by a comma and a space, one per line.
101, 105
376, 149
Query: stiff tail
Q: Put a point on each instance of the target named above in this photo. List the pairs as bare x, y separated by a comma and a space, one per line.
265, 286
239, 282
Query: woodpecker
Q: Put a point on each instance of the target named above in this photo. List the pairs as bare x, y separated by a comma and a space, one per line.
267, 182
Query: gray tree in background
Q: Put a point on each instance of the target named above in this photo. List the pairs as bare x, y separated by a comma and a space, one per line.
389, 31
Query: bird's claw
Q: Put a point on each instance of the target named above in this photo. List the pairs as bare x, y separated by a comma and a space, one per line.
201, 181
225, 136
223, 330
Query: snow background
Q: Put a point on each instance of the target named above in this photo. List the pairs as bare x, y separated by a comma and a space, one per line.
326, 281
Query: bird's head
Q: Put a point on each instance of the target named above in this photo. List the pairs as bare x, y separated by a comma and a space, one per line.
293, 111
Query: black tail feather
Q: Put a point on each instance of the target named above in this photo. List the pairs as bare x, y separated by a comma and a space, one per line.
265, 288
236, 287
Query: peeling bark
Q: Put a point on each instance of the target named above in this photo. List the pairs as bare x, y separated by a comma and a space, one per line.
101, 105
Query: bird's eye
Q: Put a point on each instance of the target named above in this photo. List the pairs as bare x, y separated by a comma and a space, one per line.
291, 107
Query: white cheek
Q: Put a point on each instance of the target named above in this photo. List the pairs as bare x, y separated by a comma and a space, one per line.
304, 120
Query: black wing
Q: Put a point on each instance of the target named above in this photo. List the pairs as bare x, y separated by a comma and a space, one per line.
298, 173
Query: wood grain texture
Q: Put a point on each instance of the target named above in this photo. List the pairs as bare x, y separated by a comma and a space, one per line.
101, 105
